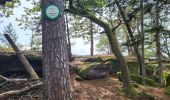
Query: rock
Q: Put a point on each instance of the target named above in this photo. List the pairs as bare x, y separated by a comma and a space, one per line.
98, 59
97, 72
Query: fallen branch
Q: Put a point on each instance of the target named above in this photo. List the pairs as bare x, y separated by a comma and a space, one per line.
29, 87
13, 80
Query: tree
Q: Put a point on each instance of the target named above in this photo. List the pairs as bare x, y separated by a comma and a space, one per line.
55, 56
84, 28
82, 10
103, 45
11, 32
135, 42
142, 43
158, 45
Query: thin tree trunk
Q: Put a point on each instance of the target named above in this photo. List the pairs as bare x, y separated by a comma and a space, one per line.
31, 44
91, 39
158, 48
55, 56
68, 39
123, 65
135, 45
22, 58
142, 44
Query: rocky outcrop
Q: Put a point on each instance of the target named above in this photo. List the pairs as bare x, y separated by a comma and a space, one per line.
95, 71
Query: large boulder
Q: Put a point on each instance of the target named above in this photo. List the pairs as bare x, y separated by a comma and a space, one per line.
95, 71
98, 59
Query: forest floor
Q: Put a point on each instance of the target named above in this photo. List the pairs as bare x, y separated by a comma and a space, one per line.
111, 89
108, 88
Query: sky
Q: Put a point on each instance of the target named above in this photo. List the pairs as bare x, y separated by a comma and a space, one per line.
79, 48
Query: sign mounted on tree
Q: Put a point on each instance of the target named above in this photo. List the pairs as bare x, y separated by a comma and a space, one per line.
52, 11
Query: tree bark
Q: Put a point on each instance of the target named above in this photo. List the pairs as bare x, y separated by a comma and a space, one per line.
142, 44
91, 39
32, 38
158, 47
68, 39
22, 58
55, 56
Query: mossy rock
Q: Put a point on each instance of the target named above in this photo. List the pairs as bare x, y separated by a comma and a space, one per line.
95, 70
133, 66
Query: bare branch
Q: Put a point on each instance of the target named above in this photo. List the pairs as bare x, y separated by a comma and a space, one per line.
5, 95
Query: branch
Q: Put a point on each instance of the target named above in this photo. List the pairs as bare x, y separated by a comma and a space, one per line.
114, 28
89, 16
5, 95
16, 79
12, 80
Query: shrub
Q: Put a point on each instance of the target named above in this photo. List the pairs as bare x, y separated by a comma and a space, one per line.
138, 79
167, 90
168, 80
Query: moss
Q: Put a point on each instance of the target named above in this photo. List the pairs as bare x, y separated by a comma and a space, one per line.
78, 78
133, 66
144, 96
130, 92
138, 79
119, 75
168, 80
167, 90
82, 72
135, 85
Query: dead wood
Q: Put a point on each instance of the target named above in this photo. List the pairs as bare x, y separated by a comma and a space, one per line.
28, 87
13, 79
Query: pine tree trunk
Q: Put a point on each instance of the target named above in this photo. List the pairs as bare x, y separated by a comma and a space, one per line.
55, 56
91, 39
158, 46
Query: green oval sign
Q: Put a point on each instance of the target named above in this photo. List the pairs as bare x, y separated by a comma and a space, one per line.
52, 11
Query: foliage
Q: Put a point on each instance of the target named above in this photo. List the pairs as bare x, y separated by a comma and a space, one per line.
145, 96
103, 45
7, 7
138, 79
167, 90
130, 92
5, 49
8, 30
